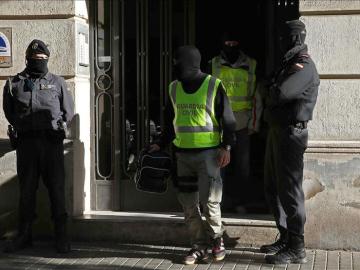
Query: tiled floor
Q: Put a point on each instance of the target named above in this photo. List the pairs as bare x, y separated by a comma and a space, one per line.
121, 256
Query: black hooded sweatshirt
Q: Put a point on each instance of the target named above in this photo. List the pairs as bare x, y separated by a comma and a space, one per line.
187, 70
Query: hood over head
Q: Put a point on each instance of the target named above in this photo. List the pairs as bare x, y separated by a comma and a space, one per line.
186, 63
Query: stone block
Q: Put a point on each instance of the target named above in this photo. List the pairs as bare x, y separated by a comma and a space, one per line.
81, 9
81, 133
334, 43
37, 7
328, 5
336, 114
58, 34
333, 214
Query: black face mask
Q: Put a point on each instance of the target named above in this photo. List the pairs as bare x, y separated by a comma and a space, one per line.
231, 53
36, 67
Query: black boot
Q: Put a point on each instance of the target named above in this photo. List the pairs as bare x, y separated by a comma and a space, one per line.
22, 240
278, 245
294, 252
61, 237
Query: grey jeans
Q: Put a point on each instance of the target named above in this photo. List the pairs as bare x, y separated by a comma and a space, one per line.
199, 182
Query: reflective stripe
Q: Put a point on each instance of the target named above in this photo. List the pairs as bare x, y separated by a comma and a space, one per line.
251, 77
239, 82
211, 88
195, 123
186, 129
173, 91
235, 98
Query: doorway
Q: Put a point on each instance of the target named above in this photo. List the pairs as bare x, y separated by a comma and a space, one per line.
132, 42
132, 46
255, 23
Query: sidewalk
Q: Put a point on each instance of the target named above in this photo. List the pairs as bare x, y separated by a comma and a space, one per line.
122, 256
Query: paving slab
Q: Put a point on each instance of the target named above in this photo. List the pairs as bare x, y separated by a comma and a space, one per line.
105, 255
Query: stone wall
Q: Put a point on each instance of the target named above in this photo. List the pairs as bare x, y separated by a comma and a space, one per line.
336, 111
332, 162
25, 8
329, 6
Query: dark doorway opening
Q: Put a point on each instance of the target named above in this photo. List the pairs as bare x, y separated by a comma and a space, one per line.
132, 48
256, 23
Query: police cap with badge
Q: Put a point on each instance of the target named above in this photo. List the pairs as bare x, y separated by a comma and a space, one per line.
37, 47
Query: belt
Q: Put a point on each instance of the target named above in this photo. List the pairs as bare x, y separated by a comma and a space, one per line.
301, 125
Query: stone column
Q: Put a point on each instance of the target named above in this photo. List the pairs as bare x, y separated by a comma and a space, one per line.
332, 162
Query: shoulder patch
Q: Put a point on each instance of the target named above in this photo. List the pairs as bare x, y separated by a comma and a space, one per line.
303, 58
304, 55
295, 68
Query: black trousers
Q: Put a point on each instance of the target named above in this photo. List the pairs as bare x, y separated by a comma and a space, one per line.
236, 174
41, 154
284, 164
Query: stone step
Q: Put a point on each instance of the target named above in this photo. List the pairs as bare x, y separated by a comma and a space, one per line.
166, 228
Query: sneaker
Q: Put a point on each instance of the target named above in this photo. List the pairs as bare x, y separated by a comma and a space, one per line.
194, 256
274, 247
218, 249
287, 255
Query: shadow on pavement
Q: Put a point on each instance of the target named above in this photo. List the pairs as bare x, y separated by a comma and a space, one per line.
100, 255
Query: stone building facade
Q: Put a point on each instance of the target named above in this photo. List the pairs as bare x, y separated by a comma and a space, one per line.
332, 161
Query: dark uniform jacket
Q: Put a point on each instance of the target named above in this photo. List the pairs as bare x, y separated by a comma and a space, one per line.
292, 95
37, 104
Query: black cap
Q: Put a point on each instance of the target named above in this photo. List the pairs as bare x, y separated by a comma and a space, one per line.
296, 27
37, 47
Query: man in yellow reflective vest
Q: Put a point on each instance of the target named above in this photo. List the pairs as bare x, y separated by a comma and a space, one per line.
237, 71
200, 124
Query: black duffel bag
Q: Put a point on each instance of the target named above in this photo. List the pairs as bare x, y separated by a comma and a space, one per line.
152, 172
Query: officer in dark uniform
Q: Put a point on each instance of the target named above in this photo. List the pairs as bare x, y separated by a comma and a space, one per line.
38, 105
289, 106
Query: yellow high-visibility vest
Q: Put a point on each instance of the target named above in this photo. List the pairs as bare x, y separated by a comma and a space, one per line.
239, 83
194, 122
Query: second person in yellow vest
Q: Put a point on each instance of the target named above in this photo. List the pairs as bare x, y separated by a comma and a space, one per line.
237, 71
